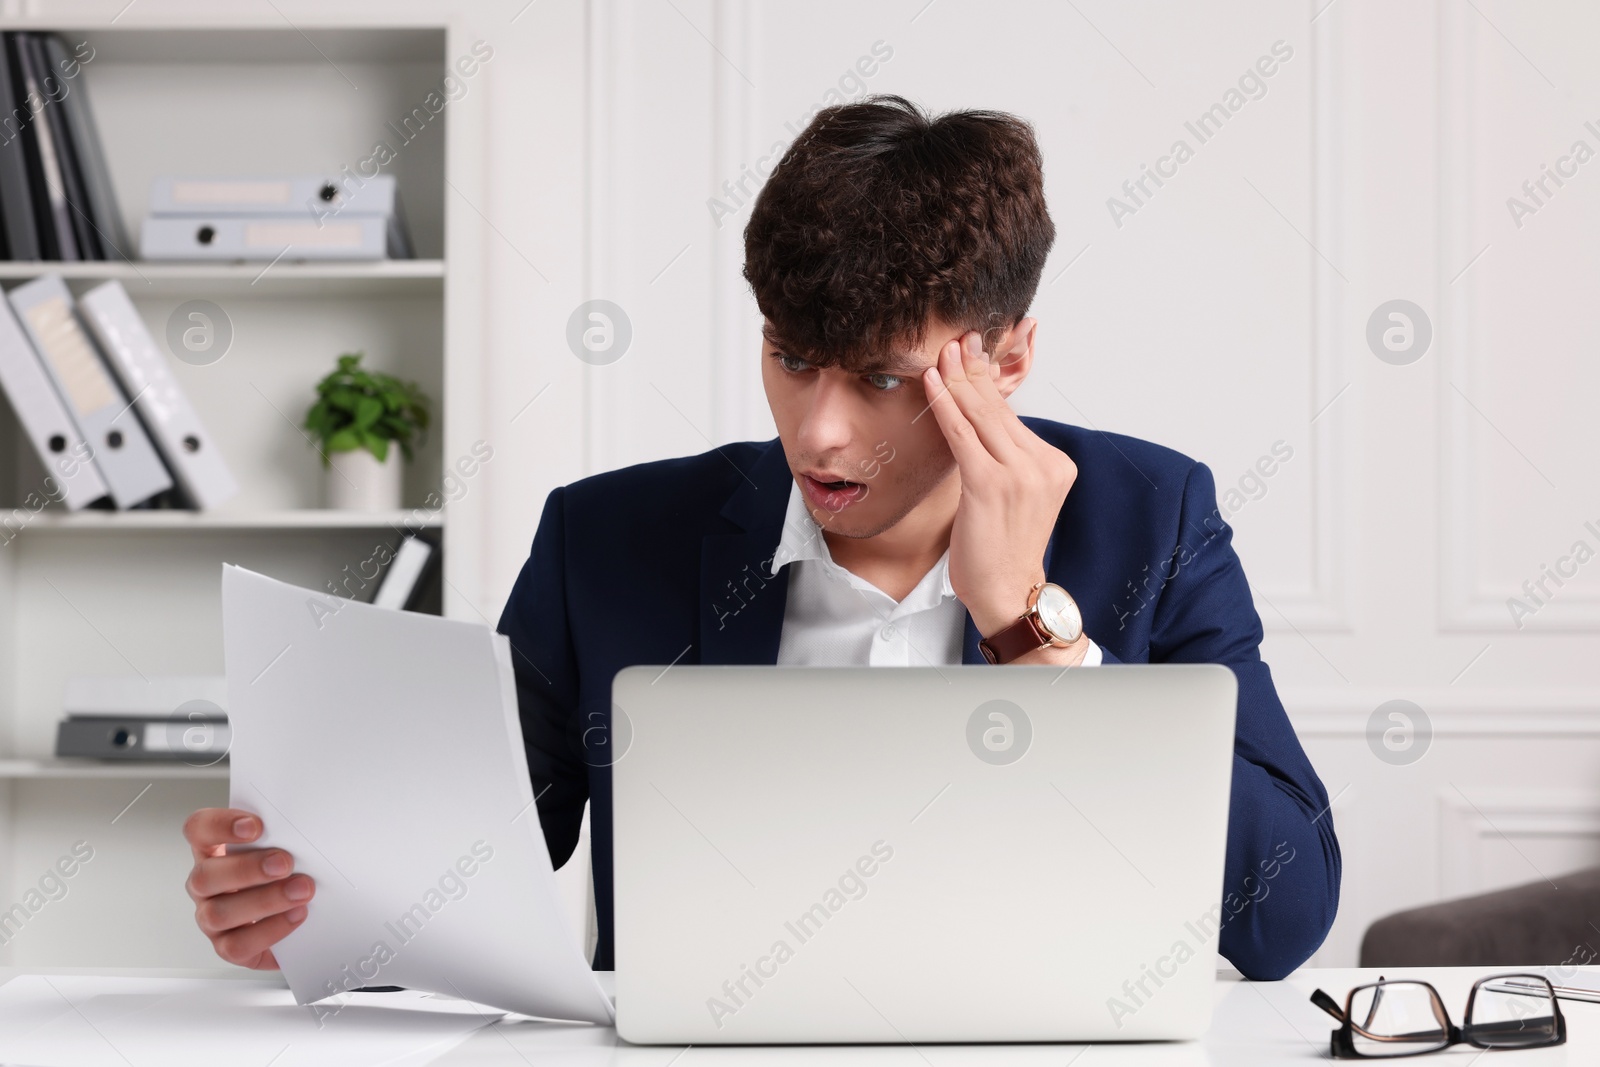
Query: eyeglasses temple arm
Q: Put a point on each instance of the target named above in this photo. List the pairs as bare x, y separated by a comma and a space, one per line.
1328, 1004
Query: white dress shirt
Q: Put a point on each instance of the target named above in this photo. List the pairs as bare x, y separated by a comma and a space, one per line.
834, 617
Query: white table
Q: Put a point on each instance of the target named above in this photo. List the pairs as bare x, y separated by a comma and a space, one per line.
1255, 1023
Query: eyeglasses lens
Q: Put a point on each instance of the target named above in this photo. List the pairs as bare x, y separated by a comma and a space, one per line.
1397, 1019
1514, 1012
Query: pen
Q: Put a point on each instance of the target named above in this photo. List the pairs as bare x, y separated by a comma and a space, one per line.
1563, 992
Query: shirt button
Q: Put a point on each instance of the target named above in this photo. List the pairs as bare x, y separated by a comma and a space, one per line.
888, 632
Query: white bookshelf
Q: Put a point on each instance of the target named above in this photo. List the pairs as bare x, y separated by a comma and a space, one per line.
178, 88
130, 770
412, 277
178, 521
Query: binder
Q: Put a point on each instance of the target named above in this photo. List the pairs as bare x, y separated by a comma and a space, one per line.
189, 450
213, 237
85, 239
157, 717
409, 575
187, 739
126, 458
317, 198
16, 207
55, 436
303, 196
101, 206
50, 199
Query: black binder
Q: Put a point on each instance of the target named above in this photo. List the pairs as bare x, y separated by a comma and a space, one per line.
100, 201
72, 184
57, 239
16, 207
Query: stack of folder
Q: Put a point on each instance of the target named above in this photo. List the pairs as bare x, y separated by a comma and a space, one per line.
56, 200
100, 405
314, 217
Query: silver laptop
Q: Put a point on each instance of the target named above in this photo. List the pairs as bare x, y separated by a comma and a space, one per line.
962, 854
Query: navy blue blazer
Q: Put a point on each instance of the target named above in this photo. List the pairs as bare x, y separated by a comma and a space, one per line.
653, 563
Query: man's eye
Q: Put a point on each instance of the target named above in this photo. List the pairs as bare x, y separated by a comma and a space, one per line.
885, 383
792, 364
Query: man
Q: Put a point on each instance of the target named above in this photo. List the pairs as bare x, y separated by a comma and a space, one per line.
904, 515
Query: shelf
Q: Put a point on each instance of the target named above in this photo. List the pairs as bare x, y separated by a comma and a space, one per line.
385, 277
308, 519
60, 768
222, 36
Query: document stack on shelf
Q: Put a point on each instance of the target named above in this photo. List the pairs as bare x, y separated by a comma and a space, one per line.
107, 420
307, 217
56, 200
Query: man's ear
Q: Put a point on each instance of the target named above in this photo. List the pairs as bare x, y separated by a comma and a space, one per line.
1013, 356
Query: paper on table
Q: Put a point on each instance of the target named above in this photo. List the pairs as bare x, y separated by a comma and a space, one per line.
382, 749
82, 1021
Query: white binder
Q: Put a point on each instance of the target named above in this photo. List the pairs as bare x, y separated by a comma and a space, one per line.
345, 236
309, 196
126, 458
189, 450
63, 452
404, 575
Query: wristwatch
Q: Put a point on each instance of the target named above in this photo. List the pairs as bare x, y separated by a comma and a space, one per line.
1052, 618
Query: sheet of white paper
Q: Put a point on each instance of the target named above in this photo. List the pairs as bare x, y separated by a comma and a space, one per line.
383, 750
79, 1021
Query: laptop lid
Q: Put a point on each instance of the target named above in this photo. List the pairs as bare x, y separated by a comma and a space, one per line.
959, 853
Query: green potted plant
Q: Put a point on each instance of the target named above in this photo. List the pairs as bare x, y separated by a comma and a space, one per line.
358, 418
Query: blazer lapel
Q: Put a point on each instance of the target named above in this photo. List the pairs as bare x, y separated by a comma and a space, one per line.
741, 607
969, 641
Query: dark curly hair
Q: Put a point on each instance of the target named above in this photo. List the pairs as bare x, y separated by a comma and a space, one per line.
878, 216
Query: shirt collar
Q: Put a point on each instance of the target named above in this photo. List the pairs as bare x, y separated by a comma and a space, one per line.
802, 539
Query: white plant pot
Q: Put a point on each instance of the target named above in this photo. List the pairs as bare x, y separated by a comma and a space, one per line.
358, 482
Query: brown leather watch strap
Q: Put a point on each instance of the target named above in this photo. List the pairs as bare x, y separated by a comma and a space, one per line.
1018, 639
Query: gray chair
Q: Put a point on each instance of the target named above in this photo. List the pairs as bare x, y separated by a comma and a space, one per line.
1529, 925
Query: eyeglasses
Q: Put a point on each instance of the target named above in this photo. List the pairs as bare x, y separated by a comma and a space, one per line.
1406, 1018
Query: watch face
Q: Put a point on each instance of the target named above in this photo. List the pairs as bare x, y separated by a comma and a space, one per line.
1058, 613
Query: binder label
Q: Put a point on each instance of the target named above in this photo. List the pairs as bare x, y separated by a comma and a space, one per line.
77, 366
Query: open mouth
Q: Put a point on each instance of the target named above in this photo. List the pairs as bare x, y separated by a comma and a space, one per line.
835, 493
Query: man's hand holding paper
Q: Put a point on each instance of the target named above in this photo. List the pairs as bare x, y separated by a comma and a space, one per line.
381, 753
246, 900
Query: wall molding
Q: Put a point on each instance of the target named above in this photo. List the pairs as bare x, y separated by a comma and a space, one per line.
609, 81
1472, 820
1322, 607
736, 369
1464, 603
1487, 713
